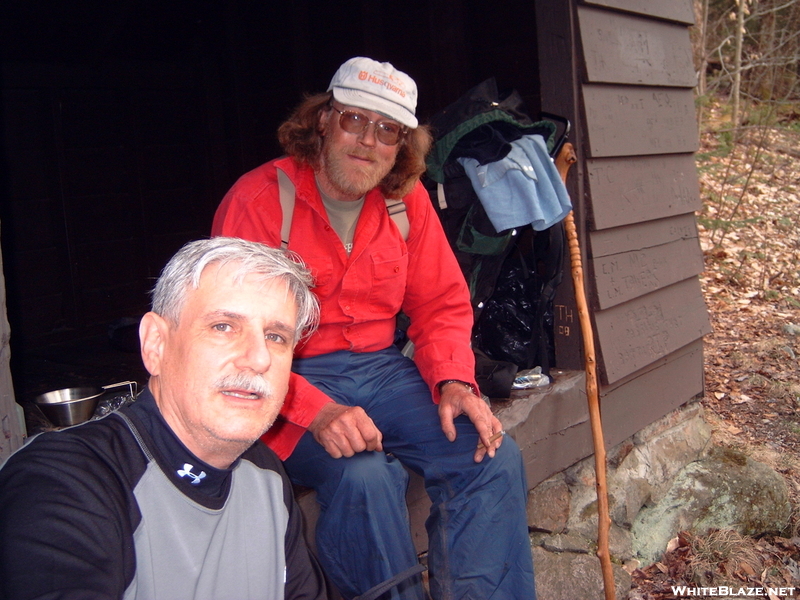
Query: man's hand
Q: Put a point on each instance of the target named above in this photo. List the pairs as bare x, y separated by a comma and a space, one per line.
345, 430
457, 399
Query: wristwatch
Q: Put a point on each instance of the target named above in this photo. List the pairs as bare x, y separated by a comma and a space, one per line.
441, 384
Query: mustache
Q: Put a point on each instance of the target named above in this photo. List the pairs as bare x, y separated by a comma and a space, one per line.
362, 152
255, 384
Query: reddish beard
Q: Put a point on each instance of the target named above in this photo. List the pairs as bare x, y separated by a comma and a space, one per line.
349, 177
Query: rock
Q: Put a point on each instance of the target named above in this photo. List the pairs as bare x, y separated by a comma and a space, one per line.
644, 473
566, 542
725, 490
567, 576
791, 329
548, 505
671, 450
620, 542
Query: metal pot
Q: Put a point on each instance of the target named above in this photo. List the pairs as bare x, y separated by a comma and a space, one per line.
71, 406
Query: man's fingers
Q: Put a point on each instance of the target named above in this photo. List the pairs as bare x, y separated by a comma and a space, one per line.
349, 432
446, 420
331, 447
371, 437
485, 427
490, 444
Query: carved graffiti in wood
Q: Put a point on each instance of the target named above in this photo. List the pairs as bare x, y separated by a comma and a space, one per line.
637, 333
622, 48
644, 188
638, 120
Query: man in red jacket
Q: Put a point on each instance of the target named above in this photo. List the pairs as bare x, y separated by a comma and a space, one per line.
357, 409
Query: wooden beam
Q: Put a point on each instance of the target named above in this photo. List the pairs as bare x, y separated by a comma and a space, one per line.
628, 274
619, 48
642, 188
636, 120
648, 395
637, 333
673, 10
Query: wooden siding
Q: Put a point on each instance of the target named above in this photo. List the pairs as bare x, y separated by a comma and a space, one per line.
664, 386
636, 120
674, 10
634, 189
635, 50
644, 258
640, 133
649, 327
643, 235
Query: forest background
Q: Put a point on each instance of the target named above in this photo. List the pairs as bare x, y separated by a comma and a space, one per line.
747, 57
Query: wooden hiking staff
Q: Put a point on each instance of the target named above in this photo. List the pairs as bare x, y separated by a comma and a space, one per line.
565, 159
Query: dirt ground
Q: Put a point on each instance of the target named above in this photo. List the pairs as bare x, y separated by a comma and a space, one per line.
750, 235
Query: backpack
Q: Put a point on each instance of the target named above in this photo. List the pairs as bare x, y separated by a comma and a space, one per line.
512, 275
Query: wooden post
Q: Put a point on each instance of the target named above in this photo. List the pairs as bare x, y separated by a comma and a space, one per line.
565, 159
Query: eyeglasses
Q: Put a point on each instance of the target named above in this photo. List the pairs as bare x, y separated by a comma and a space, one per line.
387, 132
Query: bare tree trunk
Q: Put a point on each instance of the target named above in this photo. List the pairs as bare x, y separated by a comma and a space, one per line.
702, 67
737, 62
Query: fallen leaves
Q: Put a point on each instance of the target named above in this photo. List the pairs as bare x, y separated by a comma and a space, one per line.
751, 245
721, 558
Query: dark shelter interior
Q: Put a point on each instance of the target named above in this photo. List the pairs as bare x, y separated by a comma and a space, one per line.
124, 124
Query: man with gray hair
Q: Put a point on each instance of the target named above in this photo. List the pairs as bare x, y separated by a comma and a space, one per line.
170, 497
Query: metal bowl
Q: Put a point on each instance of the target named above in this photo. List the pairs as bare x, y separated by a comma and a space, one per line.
69, 406
72, 406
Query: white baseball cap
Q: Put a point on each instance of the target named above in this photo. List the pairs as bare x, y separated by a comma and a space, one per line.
376, 86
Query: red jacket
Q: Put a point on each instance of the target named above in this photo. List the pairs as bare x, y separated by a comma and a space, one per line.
359, 295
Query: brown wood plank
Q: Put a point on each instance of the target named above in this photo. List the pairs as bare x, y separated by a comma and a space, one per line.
556, 452
627, 275
619, 48
557, 49
643, 235
551, 426
566, 328
643, 188
648, 395
673, 10
632, 335
419, 509
542, 412
637, 120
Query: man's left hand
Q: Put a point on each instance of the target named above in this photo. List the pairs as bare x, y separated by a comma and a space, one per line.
458, 399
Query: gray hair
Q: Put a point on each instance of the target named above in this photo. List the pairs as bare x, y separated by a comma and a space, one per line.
183, 271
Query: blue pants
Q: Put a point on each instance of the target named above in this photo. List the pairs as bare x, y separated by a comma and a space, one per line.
479, 547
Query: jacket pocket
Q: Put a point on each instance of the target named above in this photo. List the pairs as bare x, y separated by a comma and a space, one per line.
389, 276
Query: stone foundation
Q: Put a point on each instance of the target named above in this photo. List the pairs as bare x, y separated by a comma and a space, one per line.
666, 478
562, 510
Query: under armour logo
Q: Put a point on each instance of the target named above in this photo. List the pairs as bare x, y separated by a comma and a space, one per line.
186, 471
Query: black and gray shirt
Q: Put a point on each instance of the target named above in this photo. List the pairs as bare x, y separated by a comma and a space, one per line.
119, 508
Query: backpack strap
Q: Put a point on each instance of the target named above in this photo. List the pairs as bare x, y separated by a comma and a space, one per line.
381, 588
286, 193
397, 211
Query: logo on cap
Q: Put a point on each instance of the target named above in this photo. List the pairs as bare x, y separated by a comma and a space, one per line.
363, 75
